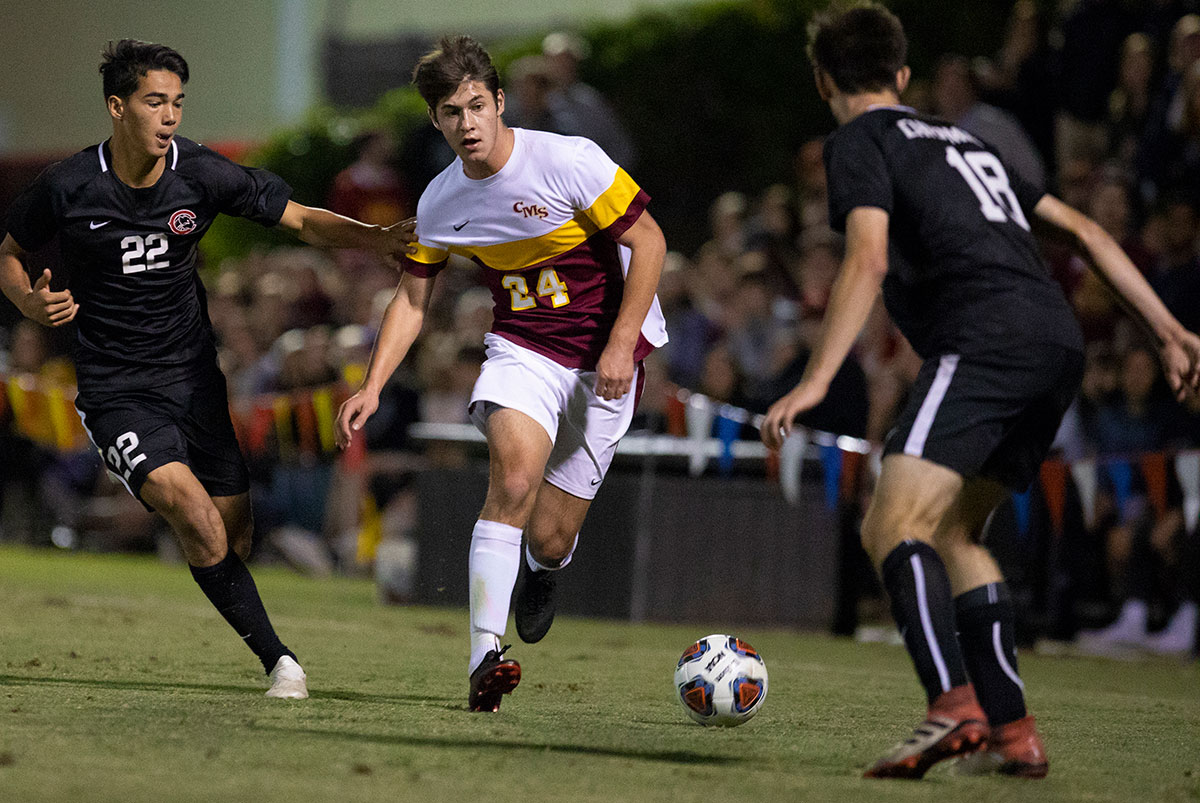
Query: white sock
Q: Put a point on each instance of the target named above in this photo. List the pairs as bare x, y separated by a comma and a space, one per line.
492, 568
535, 566
482, 642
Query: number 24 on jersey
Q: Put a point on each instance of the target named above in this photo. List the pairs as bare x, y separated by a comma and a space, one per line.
549, 285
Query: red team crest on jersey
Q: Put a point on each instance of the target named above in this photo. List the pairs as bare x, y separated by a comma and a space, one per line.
183, 222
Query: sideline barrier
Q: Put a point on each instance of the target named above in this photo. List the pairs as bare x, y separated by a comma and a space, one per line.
299, 425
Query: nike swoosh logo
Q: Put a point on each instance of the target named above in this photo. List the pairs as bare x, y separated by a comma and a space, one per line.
460, 225
95, 225
596, 482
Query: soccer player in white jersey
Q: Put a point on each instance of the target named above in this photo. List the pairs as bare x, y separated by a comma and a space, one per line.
573, 260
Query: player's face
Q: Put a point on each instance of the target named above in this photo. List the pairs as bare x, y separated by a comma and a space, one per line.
148, 118
469, 119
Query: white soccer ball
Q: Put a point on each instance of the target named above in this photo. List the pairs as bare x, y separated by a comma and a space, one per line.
721, 680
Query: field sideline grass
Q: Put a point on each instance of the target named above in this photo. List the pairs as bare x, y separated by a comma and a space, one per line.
119, 683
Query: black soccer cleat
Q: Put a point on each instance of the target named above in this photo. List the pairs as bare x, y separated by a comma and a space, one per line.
495, 677
535, 603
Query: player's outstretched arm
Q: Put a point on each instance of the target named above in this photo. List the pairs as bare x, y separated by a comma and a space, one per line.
401, 324
37, 301
326, 229
1178, 348
850, 302
648, 248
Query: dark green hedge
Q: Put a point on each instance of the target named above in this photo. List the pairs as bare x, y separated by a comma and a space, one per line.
717, 97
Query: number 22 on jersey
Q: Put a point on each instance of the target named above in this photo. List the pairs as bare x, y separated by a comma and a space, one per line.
986, 177
549, 285
142, 253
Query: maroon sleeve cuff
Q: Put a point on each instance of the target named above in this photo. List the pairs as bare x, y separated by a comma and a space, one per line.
622, 224
422, 270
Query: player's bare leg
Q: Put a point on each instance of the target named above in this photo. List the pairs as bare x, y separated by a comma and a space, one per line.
911, 500
518, 448
199, 522
238, 519
174, 492
986, 632
551, 538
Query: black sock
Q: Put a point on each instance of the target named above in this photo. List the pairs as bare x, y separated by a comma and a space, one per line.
230, 588
916, 580
986, 631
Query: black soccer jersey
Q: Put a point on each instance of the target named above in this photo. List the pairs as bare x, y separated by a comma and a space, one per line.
964, 273
132, 254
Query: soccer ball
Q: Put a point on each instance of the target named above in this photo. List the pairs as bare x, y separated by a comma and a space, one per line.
721, 680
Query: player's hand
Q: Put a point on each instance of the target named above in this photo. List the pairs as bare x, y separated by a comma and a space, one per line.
47, 307
778, 422
1181, 364
614, 372
353, 413
402, 236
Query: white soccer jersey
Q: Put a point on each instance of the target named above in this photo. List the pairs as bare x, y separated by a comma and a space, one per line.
545, 229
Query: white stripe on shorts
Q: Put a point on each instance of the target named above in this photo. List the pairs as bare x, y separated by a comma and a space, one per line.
915, 445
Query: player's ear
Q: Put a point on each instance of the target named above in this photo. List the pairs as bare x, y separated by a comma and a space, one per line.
433, 118
499, 101
116, 107
825, 85
902, 79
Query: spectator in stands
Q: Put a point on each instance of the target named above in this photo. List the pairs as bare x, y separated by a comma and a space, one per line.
771, 238
691, 333
955, 99
811, 192
1133, 421
1166, 110
371, 189
580, 108
727, 218
1181, 152
527, 103
1022, 77
1129, 103
1092, 33
1176, 274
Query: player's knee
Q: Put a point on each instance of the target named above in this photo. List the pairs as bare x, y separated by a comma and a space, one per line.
884, 528
513, 490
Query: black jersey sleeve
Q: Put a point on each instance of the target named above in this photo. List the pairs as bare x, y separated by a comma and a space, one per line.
31, 219
857, 173
1028, 194
248, 192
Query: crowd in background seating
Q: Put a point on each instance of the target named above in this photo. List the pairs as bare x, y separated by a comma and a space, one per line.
1100, 106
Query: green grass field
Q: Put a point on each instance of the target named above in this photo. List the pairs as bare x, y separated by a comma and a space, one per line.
119, 683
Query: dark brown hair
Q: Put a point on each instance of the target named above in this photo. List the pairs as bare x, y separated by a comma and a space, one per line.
456, 59
861, 46
124, 63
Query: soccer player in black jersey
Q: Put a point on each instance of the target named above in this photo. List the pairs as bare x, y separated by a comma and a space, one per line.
128, 214
934, 219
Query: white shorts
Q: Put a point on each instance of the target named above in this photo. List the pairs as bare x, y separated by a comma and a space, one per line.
583, 427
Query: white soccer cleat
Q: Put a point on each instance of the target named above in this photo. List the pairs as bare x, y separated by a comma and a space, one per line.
288, 681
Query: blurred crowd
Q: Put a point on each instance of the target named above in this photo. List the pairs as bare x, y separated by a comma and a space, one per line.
1099, 104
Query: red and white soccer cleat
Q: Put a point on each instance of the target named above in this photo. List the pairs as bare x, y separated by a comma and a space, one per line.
954, 726
1014, 748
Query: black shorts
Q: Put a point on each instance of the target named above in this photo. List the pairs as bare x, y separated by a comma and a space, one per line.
992, 415
182, 421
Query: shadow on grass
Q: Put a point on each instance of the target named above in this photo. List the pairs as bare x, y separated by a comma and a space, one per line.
152, 685
403, 740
